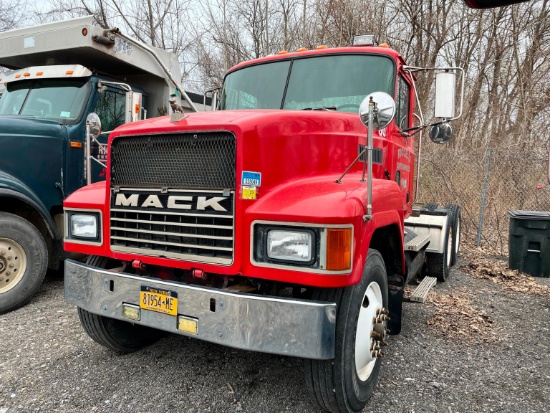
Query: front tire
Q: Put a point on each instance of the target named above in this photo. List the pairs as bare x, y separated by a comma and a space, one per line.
117, 335
23, 261
345, 383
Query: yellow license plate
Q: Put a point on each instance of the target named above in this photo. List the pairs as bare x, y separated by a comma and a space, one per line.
156, 299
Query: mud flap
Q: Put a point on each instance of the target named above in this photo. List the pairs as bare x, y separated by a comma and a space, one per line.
395, 304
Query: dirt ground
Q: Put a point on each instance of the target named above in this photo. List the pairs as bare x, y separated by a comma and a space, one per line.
481, 343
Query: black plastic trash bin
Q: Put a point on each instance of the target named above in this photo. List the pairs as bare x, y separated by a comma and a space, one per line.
529, 242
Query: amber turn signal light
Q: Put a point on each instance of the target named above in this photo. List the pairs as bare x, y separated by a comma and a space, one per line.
339, 249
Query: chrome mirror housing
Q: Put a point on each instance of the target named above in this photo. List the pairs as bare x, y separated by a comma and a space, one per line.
384, 110
94, 123
441, 133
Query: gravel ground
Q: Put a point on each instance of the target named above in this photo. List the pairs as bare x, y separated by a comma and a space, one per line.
48, 364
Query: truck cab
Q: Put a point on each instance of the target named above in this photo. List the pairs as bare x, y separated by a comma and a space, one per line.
60, 73
276, 223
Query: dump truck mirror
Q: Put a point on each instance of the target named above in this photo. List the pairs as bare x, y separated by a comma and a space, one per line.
94, 129
441, 132
94, 123
384, 110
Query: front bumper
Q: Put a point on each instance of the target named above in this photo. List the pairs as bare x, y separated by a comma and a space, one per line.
277, 325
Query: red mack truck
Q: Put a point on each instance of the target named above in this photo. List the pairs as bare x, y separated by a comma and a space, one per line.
282, 222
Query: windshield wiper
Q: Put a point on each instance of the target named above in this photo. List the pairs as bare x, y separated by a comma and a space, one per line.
322, 108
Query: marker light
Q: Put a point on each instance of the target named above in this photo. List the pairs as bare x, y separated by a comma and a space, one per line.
338, 249
26, 74
130, 311
69, 72
322, 46
283, 52
84, 31
39, 73
302, 49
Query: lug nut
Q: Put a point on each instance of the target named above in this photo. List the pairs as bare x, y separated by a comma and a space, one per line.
9, 257
11, 265
383, 343
2, 252
375, 335
8, 273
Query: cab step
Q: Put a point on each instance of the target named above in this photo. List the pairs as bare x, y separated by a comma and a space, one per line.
417, 242
421, 292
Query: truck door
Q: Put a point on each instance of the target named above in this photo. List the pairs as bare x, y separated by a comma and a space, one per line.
403, 147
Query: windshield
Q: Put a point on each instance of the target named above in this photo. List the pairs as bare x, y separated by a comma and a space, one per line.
338, 82
60, 100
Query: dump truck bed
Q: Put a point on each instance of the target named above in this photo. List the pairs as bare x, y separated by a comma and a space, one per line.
71, 42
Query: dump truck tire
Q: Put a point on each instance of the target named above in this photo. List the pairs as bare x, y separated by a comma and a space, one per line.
23, 261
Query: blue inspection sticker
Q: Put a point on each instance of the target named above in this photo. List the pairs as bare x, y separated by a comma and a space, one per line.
251, 178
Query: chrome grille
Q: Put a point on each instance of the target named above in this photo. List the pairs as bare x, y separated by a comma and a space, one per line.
186, 161
190, 225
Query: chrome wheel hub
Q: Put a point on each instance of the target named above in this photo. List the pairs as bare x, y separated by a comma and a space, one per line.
371, 331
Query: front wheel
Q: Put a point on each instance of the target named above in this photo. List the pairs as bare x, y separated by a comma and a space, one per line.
117, 335
346, 383
23, 261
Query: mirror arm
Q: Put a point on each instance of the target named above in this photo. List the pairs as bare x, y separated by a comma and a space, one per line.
370, 145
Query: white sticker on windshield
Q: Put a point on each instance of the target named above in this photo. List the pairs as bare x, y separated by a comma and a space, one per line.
65, 115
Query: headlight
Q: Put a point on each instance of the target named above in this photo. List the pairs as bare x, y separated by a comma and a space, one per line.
83, 226
288, 245
316, 248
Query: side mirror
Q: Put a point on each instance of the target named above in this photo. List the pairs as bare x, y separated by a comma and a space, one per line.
94, 123
384, 110
101, 87
486, 4
94, 127
445, 89
441, 133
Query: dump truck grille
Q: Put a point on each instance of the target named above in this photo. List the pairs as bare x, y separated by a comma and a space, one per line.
190, 225
185, 161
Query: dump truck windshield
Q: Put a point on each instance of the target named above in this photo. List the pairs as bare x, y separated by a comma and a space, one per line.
337, 82
56, 99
